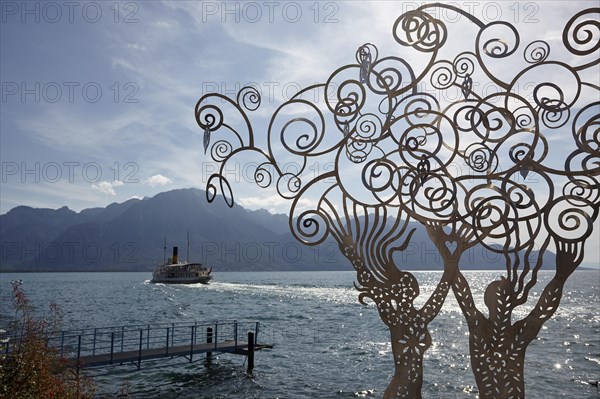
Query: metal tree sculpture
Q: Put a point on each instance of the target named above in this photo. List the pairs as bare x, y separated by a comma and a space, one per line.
503, 208
368, 227
405, 143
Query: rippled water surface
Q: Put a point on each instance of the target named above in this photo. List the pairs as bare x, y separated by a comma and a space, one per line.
327, 345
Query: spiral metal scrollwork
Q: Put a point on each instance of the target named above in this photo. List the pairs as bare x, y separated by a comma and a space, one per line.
472, 170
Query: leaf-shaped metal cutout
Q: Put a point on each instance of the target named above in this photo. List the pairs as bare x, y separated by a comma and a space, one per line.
365, 64
524, 172
206, 139
467, 85
423, 167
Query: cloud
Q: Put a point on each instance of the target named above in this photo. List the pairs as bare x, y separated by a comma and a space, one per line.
158, 180
275, 203
107, 187
136, 46
122, 63
266, 201
155, 67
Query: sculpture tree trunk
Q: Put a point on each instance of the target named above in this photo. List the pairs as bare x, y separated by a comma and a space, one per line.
497, 362
394, 298
497, 345
408, 352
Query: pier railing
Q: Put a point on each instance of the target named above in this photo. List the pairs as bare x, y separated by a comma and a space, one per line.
117, 344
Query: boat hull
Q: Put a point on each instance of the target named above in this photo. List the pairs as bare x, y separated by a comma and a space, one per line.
182, 280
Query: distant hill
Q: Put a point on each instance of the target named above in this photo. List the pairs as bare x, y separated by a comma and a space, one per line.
129, 237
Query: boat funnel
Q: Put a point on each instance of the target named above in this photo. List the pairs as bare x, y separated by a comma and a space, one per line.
175, 260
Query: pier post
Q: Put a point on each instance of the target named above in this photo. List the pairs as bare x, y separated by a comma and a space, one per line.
209, 340
216, 333
78, 351
112, 346
235, 333
62, 344
139, 365
250, 352
192, 344
94, 345
167, 349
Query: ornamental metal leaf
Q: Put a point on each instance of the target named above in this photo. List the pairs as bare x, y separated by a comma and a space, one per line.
206, 140
467, 85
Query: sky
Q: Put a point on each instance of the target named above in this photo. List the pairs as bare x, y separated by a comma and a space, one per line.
98, 97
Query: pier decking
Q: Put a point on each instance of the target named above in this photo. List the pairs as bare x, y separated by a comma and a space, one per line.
136, 343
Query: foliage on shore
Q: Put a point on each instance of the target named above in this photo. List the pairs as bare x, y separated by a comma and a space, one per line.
31, 368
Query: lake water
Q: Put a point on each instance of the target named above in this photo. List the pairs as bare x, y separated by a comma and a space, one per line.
327, 345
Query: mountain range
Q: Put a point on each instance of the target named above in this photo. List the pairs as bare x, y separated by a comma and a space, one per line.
131, 236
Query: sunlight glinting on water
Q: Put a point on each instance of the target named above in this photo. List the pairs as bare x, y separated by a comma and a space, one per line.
329, 294
318, 329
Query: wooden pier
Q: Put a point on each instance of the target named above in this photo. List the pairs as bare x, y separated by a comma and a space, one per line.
136, 343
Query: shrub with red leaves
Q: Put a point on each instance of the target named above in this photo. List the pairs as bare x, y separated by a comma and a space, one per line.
31, 369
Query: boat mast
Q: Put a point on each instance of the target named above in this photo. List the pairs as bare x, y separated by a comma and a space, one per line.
188, 247
165, 250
